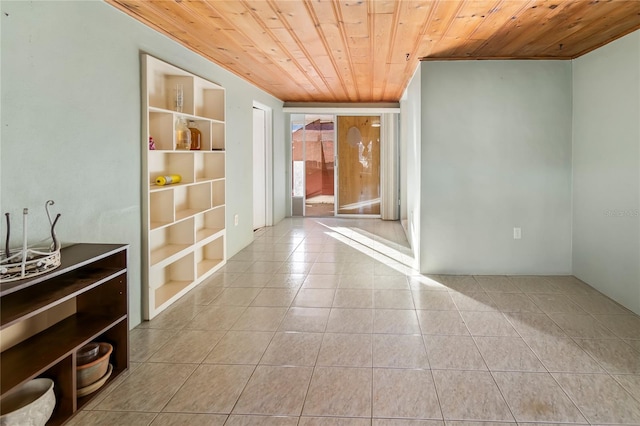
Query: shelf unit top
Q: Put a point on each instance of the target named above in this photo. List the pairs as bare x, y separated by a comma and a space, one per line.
71, 257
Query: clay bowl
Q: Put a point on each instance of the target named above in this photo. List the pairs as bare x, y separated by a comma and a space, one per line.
87, 353
29, 405
91, 372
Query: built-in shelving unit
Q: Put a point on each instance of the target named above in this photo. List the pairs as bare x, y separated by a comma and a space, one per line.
184, 223
93, 278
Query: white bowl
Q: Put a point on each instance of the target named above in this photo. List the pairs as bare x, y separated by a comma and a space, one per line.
29, 405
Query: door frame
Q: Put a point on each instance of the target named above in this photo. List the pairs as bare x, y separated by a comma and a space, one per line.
381, 109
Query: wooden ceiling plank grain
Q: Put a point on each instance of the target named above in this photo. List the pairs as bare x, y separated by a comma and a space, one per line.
533, 23
568, 20
496, 18
385, 7
345, 42
395, 87
372, 56
467, 24
383, 37
382, 76
355, 17
624, 16
160, 21
468, 18
493, 22
309, 40
413, 20
270, 18
612, 31
356, 26
441, 19
263, 38
242, 60
324, 14
234, 53
249, 28
439, 23
355, 50
501, 28
275, 66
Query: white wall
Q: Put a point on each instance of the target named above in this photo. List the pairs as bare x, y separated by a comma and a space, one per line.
496, 154
606, 169
410, 162
71, 125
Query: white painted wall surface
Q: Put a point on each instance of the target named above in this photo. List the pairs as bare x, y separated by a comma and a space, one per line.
71, 125
606, 170
410, 161
496, 154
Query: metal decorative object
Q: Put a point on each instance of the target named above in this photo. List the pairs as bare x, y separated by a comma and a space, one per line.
27, 262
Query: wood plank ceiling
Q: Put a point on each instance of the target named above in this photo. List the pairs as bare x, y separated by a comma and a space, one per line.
367, 50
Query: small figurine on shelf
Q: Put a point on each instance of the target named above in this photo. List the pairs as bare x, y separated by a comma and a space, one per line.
152, 143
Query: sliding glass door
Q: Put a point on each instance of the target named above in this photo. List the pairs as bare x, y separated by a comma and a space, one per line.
358, 177
330, 178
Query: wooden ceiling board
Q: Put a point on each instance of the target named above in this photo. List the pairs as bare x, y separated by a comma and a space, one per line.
329, 16
613, 29
466, 27
516, 31
495, 17
383, 36
269, 16
356, 50
355, 18
533, 24
613, 19
325, 14
253, 33
310, 42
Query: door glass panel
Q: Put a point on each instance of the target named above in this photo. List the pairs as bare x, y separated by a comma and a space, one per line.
319, 161
359, 165
297, 167
313, 165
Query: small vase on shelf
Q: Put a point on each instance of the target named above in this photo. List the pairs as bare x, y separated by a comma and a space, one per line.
196, 136
183, 135
179, 97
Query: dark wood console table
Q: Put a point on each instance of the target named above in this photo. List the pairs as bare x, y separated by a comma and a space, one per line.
95, 277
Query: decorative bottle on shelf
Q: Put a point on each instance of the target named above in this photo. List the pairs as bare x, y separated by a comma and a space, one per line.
196, 136
183, 134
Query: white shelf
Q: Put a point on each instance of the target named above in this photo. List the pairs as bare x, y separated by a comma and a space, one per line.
185, 222
210, 256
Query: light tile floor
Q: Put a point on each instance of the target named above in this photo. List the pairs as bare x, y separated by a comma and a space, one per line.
321, 322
